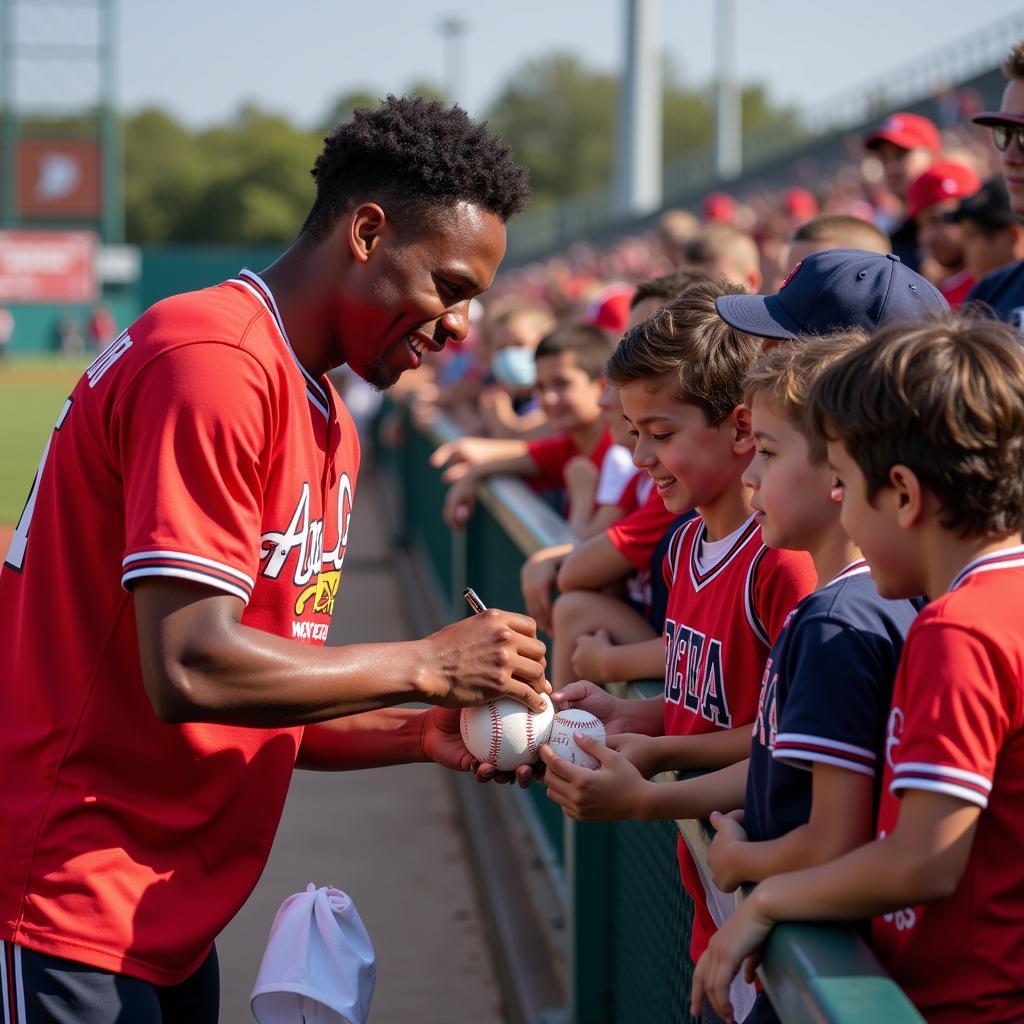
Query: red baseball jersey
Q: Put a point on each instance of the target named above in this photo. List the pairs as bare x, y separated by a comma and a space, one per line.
551, 454
957, 727
638, 533
195, 447
720, 624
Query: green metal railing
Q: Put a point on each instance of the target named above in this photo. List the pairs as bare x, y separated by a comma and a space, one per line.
628, 918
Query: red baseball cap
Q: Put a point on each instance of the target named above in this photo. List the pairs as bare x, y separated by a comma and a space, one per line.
610, 309
720, 207
800, 203
943, 180
908, 131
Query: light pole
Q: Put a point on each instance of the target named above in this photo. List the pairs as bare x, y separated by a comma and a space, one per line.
728, 117
452, 29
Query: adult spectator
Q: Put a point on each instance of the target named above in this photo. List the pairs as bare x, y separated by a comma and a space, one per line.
992, 234
906, 145
1003, 290
931, 197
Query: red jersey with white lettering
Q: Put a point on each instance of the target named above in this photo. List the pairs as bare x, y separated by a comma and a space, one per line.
638, 533
957, 727
195, 447
720, 624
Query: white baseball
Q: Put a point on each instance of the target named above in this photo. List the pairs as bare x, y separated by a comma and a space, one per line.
565, 746
506, 733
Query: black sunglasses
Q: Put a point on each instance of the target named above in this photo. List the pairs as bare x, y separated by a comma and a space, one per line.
1003, 133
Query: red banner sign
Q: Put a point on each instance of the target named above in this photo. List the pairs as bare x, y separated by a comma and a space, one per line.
47, 266
58, 178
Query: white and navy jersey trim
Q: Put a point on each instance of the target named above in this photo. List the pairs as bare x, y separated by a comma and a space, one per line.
314, 389
749, 605
799, 750
940, 778
858, 568
187, 567
701, 579
1008, 558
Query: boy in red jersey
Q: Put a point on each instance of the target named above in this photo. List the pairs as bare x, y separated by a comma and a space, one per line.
680, 375
925, 431
167, 592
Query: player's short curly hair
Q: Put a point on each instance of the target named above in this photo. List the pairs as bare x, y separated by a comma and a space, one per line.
413, 155
945, 398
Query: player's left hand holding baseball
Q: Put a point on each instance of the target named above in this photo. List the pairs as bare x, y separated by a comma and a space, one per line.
729, 832
442, 742
737, 944
613, 791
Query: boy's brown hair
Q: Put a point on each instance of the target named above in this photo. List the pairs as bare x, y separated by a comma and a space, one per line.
688, 344
783, 376
669, 285
945, 399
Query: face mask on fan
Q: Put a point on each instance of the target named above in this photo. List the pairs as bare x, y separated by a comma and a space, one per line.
515, 367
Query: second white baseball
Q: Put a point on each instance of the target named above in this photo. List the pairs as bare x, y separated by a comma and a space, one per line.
562, 741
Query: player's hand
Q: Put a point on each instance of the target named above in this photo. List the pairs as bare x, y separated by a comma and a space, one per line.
729, 832
522, 776
460, 503
737, 944
443, 744
587, 696
611, 792
537, 579
588, 655
488, 656
442, 740
641, 751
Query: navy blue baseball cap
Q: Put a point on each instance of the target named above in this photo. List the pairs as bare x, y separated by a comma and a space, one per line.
835, 290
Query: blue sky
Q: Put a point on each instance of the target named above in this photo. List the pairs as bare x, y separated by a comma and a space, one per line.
202, 58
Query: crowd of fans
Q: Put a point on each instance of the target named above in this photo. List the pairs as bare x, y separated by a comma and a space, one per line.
634, 383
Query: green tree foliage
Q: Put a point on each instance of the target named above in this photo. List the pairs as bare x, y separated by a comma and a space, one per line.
248, 180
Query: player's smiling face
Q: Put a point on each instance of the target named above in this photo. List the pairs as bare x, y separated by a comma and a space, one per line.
793, 498
874, 527
411, 295
690, 461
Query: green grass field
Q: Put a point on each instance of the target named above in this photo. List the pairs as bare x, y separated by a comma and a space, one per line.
32, 392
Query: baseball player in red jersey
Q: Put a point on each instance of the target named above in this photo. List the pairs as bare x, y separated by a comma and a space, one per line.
925, 431
167, 592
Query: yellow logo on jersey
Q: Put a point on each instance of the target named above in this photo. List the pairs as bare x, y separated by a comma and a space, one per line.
322, 593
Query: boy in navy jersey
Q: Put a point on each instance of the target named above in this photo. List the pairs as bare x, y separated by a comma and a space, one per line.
925, 431
819, 734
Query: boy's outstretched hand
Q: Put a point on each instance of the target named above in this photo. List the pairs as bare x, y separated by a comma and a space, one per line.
613, 791
737, 944
590, 697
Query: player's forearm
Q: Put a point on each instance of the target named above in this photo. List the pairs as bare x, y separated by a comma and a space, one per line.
244, 676
722, 790
706, 751
373, 739
644, 660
